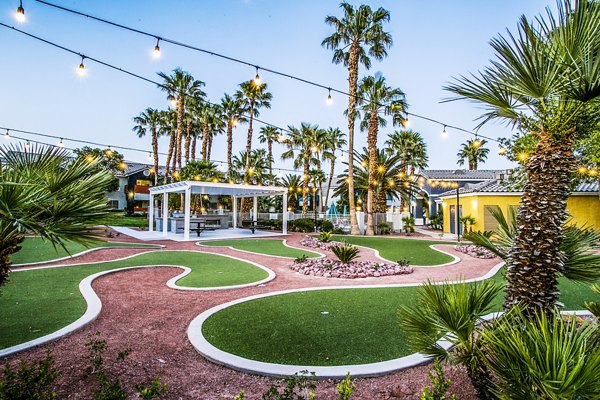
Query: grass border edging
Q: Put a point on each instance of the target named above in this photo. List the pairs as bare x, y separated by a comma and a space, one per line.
94, 304
214, 354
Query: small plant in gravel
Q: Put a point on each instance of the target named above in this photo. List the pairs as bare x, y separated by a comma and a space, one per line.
32, 381
384, 228
440, 385
325, 237
317, 243
300, 259
155, 390
96, 347
403, 263
408, 224
240, 396
296, 387
346, 388
345, 253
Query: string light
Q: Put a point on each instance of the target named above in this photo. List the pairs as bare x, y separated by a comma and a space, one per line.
20, 14
149, 156
329, 98
156, 52
315, 149
257, 80
522, 156
27, 145
444, 133
501, 150
61, 144
108, 151
476, 142
235, 122
81, 69
7, 135
405, 122
172, 101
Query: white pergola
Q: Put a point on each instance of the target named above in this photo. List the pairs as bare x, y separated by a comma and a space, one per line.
216, 189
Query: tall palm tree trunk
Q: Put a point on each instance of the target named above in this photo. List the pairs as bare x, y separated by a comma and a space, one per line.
535, 259
380, 203
249, 140
194, 148
331, 171
180, 110
169, 157
305, 185
209, 151
188, 141
229, 145
352, 82
372, 146
155, 153
270, 150
205, 141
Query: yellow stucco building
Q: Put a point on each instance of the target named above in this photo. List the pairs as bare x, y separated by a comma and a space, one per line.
478, 200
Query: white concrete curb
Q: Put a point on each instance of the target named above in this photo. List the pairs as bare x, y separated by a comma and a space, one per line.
94, 305
142, 246
201, 244
233, 361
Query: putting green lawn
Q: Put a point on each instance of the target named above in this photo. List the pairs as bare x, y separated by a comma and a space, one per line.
36, 249
271, 247
416, 251
360, 325
38, 302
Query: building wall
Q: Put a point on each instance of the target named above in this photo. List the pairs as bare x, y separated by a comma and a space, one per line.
585, 209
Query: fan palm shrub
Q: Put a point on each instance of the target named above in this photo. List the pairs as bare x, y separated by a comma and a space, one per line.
44, 191
452, 311
345, 253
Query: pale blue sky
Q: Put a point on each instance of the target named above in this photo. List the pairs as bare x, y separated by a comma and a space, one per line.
433, 41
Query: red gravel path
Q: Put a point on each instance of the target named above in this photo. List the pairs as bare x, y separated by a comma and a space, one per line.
141, 312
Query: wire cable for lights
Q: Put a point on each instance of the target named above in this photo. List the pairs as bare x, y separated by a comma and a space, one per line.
247, 63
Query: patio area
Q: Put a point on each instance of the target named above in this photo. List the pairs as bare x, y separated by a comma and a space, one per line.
218, 234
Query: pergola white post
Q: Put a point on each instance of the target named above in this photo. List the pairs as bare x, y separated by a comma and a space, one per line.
186, 213
234, 212
284, 215
165, 213
151, 214
254, 208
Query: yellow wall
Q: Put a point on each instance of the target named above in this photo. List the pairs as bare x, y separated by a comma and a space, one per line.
583, 209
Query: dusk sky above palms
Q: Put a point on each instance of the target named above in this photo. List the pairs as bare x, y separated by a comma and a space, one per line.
432, 43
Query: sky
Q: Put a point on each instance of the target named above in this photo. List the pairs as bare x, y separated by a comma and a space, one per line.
434, 41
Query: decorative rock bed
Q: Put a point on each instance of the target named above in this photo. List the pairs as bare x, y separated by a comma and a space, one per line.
315, 243
328, 268
475, 251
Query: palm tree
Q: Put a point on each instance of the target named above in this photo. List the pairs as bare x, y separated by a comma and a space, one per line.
257, 171
333, 141
294, 184
211, 120
44, 191
474, 152
168, 123
253, 97
150, 119
191, 120
377, 98
269, 134
545, 80
302, 144
358, 33
180, 86
233, 112
317, 177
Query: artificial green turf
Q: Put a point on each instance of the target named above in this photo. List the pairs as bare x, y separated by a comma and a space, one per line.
118, 219
394, 249
361, 326
36, 249
38, 302
272, 247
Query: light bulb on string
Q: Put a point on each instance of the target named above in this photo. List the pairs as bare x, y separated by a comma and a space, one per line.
444, 132
108, 152
343, 156
257, 80
149, 156
329, 98
81, 69
156, 51
476, 142
27, 145
501, 150
61, 144
406, 122
7, 135
172, 101
235, 121
20, 14
281, 137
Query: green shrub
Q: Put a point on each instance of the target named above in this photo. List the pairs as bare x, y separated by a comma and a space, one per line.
384, 228
32, 381
339, 231
345, 253
403, 262
302, 225
296, 387
440, 385
155, 390
437, 221
346, 388
409, 224
326, 226
300, 259
109, 389
325, 237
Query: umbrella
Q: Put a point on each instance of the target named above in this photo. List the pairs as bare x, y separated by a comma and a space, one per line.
332, 212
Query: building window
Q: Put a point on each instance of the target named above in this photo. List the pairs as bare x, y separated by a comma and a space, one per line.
114, 204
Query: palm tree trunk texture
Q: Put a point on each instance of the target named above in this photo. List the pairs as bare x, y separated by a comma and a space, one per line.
180, 110
331, 171
194, 147
204, 141
249, 140
305, 184
8, 247
380, 204
270, 150
229, 145
155, 154
372, 145
188, 140
352, 82
169, 157
209, 151
535, 259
